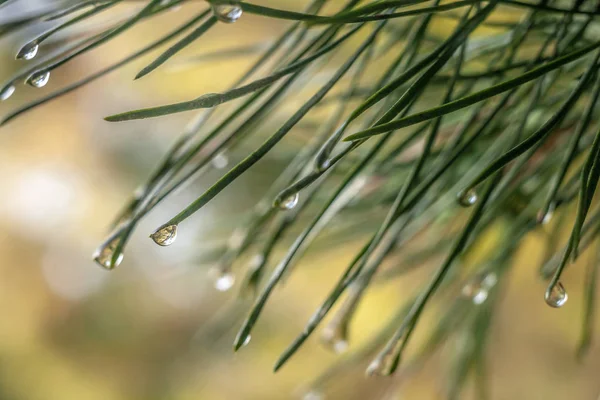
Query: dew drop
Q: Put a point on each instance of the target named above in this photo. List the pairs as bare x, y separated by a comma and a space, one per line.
28, 52
313, 395
103, 255
224, 282
236, 240
165, 236
556, 296
38, 79
174, 7
376, 368
256, 261
290, 202
227, 13
467, 198
335, 338
247, 340
478, 288
6, 92
220, 161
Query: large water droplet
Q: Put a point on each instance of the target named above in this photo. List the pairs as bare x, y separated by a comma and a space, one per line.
220, 161
38, 79
104, 254
225, 281
467, 198
227, 13
165, 236
6, 92
28, 51
556, 296
290, 202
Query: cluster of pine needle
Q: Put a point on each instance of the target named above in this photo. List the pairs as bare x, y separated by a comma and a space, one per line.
428, 142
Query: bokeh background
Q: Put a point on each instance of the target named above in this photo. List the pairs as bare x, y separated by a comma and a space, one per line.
155, 328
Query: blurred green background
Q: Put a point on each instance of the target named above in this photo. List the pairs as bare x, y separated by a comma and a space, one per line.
155, 328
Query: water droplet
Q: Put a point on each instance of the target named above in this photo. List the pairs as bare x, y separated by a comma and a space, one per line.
376, 368
28, 51
103, 255
556, 296
290, 202
227, 13
247, 340
256, 261
6, 92
165, 236
220, 161
478, 288
225, 281
174, 7
467, 198
544, 218
335, 337
313, 395
38, 79
236, 240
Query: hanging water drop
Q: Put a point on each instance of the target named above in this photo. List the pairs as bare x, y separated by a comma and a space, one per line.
313, 395
556, 296
165, 236
256, 262
28, 52
38, 79
220, 161
467, 198
6, 92
478, 288
376, 367
174, 7
227, 13
247, 340
335, 339
224, 282
104, 254
290, 202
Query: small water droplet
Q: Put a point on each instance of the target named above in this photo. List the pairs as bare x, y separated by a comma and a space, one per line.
165, 236
256, 261
220, 161
545, 218
225, 281
335, 338
556, 296
103, 255
227, 13
290, 202
313, 395
376, 368
236, 240
38, 79
174, 7
478, 288
467, 198
28, 52
6, 92
247, 340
